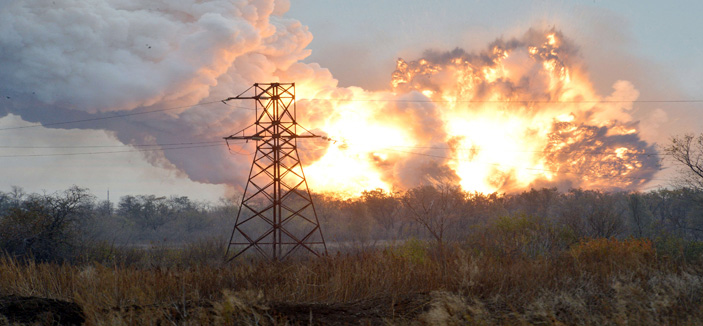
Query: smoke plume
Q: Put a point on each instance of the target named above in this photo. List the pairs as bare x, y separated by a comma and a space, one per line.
521, 113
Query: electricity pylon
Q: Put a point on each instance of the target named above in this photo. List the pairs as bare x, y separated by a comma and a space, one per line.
276, 216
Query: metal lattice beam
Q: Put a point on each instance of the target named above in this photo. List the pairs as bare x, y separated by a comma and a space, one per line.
277, 216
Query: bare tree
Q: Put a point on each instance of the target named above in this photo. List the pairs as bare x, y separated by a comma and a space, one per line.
638, 211
383, 207
540, 202
592, 213
46, 226
688, 151
435, 208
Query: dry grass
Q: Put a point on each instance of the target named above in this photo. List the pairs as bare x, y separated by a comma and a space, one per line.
593, 283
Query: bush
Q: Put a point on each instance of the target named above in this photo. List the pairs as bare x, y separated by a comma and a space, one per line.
679, 249
523, 235
629, 252
413, 250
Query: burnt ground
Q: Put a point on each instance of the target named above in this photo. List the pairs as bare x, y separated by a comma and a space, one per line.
34, 310
44, 311
365, 312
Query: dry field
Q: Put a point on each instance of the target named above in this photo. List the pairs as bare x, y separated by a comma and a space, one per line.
594, 282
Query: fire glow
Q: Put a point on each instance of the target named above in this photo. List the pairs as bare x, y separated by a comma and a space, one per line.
520, 114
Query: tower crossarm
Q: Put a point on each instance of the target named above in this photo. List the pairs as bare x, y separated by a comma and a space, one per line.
257, 137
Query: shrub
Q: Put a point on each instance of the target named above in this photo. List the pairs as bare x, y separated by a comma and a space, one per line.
628, 252
413, 250
679, 249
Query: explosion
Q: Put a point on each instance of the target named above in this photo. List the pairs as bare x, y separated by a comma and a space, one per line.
520, 114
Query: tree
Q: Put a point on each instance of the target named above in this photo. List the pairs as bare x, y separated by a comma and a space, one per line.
538, 202
593, 213
435, 208
641, 216
687, 150
145, 211
383, 207
676, 211
11, 199
47, 227
190, 215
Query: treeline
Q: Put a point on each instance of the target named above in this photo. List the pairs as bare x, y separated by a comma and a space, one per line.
446, 212
537, 221
74, 225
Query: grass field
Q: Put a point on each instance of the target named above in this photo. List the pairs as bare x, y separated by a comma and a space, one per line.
592, 282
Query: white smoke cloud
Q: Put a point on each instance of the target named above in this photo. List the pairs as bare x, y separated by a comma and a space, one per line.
97, 55
81, 58
619, 104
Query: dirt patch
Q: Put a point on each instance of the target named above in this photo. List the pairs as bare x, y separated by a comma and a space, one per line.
365, 312
30, 310
250, 308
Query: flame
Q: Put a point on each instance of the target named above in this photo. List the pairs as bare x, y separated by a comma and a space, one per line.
354, 163
521, 114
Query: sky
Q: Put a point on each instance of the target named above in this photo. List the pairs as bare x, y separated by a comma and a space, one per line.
376, 32
656, 45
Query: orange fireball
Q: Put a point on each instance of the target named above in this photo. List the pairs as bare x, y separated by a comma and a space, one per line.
520, 114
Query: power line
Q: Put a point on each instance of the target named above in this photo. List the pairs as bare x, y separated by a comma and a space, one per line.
110, 152
113, 146
586, 152
231, 151
390, 148
106, 118
193, 145
353, 100
543, 151
504, 101
238, 107
524, 168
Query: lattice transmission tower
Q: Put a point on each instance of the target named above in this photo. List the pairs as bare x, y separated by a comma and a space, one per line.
277, 216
